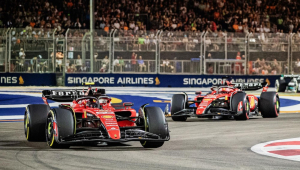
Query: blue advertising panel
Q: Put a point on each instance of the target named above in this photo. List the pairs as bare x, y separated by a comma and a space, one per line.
159, 80
27, 79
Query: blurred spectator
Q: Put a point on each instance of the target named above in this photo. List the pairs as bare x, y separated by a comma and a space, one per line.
169, 66
116, 64
142, 66
21, 60
82, 68
78, 62
121, 62
133, 62
105, 63
187, 15
297, 66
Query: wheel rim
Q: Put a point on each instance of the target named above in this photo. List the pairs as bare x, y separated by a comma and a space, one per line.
26, 125
50, 131
277, 85
247, 110
277, 106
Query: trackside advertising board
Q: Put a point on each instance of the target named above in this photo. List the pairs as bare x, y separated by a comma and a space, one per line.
162, 80
27, 79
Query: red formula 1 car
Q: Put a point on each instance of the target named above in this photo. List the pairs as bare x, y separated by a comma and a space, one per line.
228, 101
93, 118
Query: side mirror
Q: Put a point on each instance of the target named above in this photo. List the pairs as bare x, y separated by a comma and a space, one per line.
127, 104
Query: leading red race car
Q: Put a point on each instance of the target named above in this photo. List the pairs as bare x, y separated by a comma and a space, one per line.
227, 101
93, 118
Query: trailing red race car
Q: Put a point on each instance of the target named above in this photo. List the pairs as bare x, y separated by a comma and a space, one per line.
93, 118
228, 101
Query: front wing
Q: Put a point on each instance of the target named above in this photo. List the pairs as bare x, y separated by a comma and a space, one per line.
210, 111
126, 136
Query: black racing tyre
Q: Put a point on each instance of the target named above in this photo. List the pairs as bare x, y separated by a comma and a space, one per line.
156, 123
35, 121
240, 105
269, 104
178, 103
280, 85
60, 124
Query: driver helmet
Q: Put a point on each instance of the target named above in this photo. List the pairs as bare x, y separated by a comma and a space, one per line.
102, 101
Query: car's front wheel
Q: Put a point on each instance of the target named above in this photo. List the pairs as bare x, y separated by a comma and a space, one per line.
60, 124
156, 124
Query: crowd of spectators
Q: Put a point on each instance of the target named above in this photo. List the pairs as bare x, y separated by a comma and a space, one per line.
137, 21
184, 15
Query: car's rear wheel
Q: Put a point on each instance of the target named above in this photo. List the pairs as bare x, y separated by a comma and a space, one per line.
179, 102
269, 104
35, 121
280, 85
60, 124
240, 105
156, 124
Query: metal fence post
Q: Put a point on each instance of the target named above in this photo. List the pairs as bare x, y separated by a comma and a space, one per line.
204, 51
290, 59
9, 51
246, 56
158, 40
225, 47
7, 60
112, 69
54, 50
201, 52
83, 50
248, 47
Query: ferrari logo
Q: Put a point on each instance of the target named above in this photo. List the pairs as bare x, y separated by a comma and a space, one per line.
21, 81
115, 136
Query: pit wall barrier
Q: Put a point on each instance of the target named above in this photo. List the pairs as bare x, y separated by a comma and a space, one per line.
160, 80
27, 79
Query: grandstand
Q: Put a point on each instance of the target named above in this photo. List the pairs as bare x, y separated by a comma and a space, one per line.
159, 36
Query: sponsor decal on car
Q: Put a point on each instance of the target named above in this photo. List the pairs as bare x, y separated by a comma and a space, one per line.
107, 116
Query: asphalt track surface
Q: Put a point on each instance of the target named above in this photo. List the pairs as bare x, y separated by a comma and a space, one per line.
194, 144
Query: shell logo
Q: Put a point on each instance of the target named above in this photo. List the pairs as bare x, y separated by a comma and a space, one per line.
157, 82
21, 81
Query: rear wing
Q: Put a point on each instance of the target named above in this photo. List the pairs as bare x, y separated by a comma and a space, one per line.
70, 95
250, 86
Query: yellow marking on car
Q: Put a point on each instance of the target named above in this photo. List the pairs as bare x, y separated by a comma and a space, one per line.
107, 116
115, 100
145, 120
27, 125
157, 101
53, 131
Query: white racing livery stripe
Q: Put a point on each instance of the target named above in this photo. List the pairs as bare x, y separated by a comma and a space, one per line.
284, 149
11, 117
56, 104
